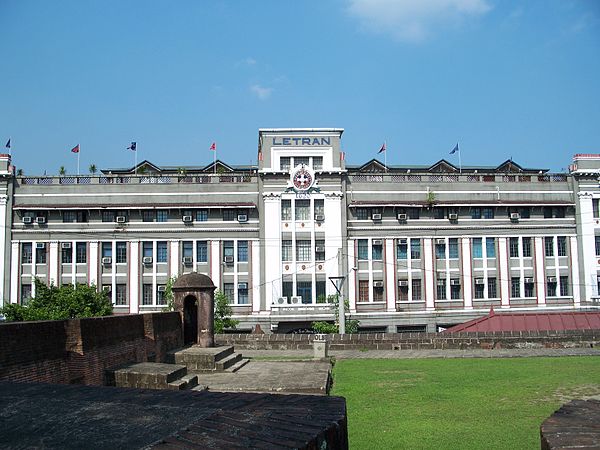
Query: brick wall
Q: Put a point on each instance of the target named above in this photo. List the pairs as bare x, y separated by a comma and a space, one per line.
79, 350
418, 341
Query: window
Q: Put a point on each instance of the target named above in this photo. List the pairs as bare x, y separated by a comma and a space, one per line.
40, 255
242, 251
108, 216
597, 245
478, 293
320, 250
528, 289
561, 244
515, 287
188, 249
416, 289
477, 250
162, 215
301, 160
121, 295
304, 289
490, 247
147, 294
549, 245
303, 252
302, 209
441, 289
513, 247
243, 295
107, 249
492, 288
229, 215
287, 289
81, 253
402, 249
147, 249
551, 286
68, 216
453, 248
161, 252
415, 249
229, 291
121, 252
26, 253
286, 250
202, 251
286, 210
284, 163
596, 208
488, 213
66, 256
317, 163
363, 249
362, 213
228, 249
25, 293
160, 295
525, 212
440, 249
559, 212
439, 213
75, 216
547, 212
319, 207
475, 213
321, 291
148, 216
363, 290
455, 291
526, 247
564, 286
403, 291
202, 215
378, 293
377, 252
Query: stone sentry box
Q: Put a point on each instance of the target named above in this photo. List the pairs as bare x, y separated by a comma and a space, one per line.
194, 298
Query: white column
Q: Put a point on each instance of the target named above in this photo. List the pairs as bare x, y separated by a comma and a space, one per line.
351, 276
333, 238
575, 271
467, 273
255, 276
174, 257
215, 263
93, 258
272, 214
429, 278
134, 277
3, 245
588, 253
53, 263
390, 278
540, 269
14, 272
503, 273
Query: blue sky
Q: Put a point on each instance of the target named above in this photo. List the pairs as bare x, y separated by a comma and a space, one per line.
504, 78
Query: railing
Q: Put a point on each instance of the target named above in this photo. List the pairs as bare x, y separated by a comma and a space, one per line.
139, 179
458, 178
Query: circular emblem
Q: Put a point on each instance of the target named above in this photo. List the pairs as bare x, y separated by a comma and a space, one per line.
302, 179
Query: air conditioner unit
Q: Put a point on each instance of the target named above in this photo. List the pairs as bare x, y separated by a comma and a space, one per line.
402, 216
187, 219
319, 217
515, 216
120, 219
479, 281
296, 300
282, 301
147, 259
242, 218
376, 217
161, 288
441, 282
320, 249
107, 260
27, 219
228, 259
452, 216
377, 241
551, 279
40, 219
187, 260
528, 280
403, 241
40, 245
403, 283
242, 285
440, 241
455, 282
65, 245
377, 284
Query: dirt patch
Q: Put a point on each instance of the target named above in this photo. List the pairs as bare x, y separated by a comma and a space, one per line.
583, 392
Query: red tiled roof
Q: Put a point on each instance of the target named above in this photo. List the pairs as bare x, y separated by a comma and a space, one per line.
515, 321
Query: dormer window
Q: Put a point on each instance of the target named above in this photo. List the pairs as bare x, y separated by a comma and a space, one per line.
284, 163
317, 163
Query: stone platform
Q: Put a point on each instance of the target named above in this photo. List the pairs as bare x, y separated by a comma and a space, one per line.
75, 417
207, 359
150, 375
576, 425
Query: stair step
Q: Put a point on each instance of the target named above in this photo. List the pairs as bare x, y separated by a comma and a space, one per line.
238, 365
228, 361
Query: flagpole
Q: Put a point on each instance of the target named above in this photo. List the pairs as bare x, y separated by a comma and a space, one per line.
135, 160
459, 160
215, 160
10, 146
78, 153
385, 156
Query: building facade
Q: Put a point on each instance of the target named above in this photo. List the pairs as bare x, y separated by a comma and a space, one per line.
411, 248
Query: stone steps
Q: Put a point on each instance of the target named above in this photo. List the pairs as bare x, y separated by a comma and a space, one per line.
226, 362
207, 360
238, 365
188, 381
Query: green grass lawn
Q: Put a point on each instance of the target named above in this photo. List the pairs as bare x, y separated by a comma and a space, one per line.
458, 403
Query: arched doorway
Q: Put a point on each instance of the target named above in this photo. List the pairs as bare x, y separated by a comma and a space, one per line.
190, 320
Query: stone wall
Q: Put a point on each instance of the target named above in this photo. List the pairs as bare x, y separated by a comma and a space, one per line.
79, 350
418, 341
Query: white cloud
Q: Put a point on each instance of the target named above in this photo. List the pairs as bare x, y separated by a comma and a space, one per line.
246, 62
263, 93
414, 20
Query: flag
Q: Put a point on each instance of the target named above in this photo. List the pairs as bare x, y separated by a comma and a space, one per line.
8, 143
455, 149
213, 146
75, 149
133, 146
382, 149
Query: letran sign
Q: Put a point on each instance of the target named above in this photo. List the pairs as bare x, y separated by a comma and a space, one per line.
301, 141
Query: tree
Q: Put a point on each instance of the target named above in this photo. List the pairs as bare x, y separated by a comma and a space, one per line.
223, 313
62, 171
93, 169
20, 172
168, 296
60, 302
332, 328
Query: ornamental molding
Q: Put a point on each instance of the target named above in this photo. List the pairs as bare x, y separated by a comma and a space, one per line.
584, 195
